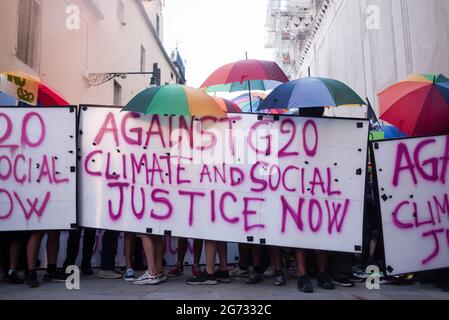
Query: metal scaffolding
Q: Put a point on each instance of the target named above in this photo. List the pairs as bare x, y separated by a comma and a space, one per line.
287, 26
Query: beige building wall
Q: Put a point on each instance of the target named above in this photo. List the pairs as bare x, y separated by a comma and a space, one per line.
106, 41
412, 38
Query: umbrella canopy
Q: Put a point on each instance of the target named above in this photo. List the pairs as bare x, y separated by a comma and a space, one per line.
29, 90
261, 85
419, 105
227, 106
243, 100
246, 70
174, 99
256, 99
311, 92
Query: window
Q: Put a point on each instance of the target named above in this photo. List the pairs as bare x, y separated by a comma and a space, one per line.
142, 59
121, 12
158, 25
28, 32
117, 94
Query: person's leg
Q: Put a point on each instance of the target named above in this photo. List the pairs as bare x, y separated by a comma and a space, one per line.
324, 280
223, 274
241, 269
304, 283
52, 249
4, 252
159, 253
276, 255
138, 256
341, 268
178, 268
222, 248
108, 253
14, 254
257, 275
150, 250
129, 254
129, 249
197, 249
301, 262
33, 246
208, 277
53, 274
89, 236
73, 245
151, 246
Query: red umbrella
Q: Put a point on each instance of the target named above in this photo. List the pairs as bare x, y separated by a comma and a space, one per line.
417, 106
29, 90
227, 106
246, 70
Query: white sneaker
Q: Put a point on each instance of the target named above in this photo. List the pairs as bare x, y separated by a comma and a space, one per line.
129, 275
146, 278
162, 276
239, 273
269, 272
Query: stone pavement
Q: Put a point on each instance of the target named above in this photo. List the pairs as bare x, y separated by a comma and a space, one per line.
93, 288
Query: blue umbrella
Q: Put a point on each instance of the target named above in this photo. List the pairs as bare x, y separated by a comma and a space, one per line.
310, 93
392, 132
7, 100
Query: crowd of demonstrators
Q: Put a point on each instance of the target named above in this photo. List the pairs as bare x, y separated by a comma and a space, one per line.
255, 261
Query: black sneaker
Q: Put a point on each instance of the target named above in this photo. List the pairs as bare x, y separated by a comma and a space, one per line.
305, 285
87, 271
203, 279
279, 279
223, 276
344, 282
13, 278
254, 278
325, 281
31, 279
58, 276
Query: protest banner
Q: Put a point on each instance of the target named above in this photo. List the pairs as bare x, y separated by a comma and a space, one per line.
413, 188
37, 168
285, 181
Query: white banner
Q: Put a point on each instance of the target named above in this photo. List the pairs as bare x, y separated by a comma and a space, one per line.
413, 179
288, 181
37, 168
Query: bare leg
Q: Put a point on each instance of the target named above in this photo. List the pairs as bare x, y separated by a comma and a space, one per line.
256, 251
149, 248
301, 262
14, 253
197, 249
211, 251
372, 247
321, 259
33, 245
130, 239
159, 253
222, 248
276, 255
